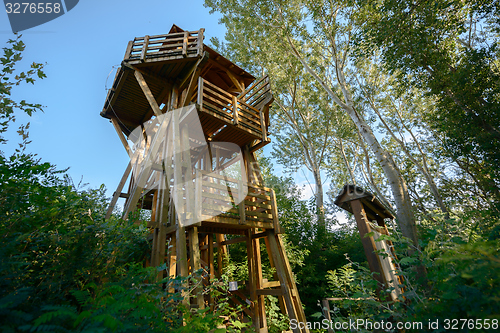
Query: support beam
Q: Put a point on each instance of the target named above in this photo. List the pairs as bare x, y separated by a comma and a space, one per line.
235, 81
119, 131
147, 92
194, 251
367, 241
118, 191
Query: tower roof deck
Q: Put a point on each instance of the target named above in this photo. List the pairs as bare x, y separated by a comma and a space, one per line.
163, 72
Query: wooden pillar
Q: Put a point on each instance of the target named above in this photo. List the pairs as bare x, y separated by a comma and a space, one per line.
194, 251
367, 241
252, 279
172, 259
211, 267
260, 308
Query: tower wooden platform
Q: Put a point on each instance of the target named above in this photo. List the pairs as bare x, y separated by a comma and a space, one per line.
195, 169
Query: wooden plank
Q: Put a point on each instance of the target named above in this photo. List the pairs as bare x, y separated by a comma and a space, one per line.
147, 92
271, 292
256, 83
200, 92
249, 109
259, 235
274, 210
271, 284
260, 306
218, 108
225, 99
222, 93
144, 48
232, 223
249, 119
259, 145
257, 195
182, 265
221, 252
234, 240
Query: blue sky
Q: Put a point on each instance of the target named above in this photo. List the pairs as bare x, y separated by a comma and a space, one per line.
80, 49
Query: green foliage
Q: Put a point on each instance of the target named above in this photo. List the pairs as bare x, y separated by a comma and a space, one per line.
9, 78
63, 267
462, 280
450, 50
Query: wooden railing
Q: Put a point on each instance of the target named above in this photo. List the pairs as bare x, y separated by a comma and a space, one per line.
257, 92
180, 44
218, 195
229, 108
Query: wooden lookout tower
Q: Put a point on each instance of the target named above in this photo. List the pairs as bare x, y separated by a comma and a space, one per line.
191, 120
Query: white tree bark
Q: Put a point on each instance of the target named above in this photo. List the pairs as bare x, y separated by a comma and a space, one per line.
404, 213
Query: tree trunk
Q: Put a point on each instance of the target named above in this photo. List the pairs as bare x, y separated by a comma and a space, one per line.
404, 214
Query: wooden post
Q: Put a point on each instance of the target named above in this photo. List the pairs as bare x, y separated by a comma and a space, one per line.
154, 250
194, 250
211, 266
200, 41
252, 278
259, 284
274, 209
326, 313
182, 265
263, 124
129, 49
367, 241
172, 259
200, 92
161, 219
235, 111
221, 252
144, 48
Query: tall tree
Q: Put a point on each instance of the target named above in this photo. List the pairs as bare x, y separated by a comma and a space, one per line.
319, 35
303, 121
450, 49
